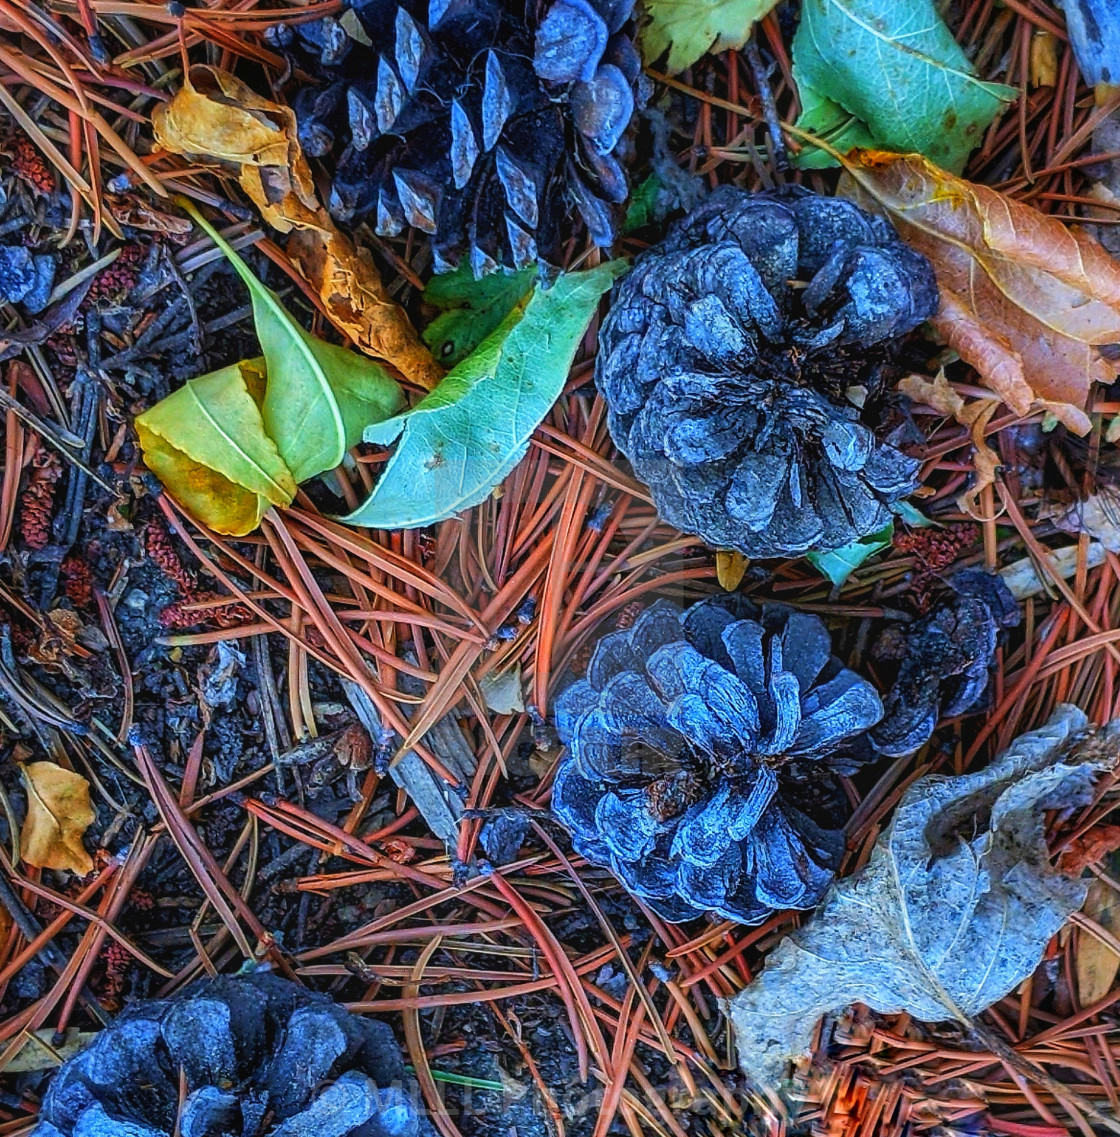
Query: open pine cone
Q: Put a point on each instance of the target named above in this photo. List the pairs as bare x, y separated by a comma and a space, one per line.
946, 659
694, 756
727, 359
260, 1056
479, 122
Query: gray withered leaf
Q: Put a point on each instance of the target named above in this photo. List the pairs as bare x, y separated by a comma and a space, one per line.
953, 910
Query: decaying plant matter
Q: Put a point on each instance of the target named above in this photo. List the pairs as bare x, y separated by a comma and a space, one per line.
255, 1051
729, 360
478, 122
695, 752
946, 658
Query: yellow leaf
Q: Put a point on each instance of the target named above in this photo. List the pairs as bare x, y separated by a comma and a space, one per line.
688, 29
216, 116
1096, 963
59, 811
1025, 300
207, 443
730, 569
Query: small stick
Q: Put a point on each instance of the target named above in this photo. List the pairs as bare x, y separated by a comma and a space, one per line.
779, 156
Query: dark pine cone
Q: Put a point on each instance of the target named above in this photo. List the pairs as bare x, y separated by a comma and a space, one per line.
479, 122
688, 744
260, 1056
725, 358
946, 658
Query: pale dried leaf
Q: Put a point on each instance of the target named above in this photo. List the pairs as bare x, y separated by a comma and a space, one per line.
954, 909
1096, 962
940, 395
216, 116
59, 812
1025, 300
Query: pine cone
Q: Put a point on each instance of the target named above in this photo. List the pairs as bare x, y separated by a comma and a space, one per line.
695, 747
946, 659
479, 122
725, 359
256, 1051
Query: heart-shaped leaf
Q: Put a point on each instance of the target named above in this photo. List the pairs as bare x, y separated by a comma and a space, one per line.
207, 443
469, 433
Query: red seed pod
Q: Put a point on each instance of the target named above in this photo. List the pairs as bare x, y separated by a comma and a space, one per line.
36, 505
30, 166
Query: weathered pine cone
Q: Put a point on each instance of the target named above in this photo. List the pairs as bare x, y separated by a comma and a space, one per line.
479, 122
946, 660
727, 357
696, 752
260, 1056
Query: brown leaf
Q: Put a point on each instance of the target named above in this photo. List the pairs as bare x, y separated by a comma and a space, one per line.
59, 811
214, 115
1024, 299
731, 567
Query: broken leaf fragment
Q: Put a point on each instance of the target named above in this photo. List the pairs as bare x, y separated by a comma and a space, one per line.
1025, 300
688, 29
216, 116
954, 909
59, 812
207, 443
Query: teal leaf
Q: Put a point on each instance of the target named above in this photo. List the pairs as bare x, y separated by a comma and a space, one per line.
912, 515
839, 564
460, 441
888, 74
470, 309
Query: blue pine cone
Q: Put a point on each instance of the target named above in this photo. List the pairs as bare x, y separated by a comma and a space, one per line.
694, 749
491, 126
729, 359
260, 1056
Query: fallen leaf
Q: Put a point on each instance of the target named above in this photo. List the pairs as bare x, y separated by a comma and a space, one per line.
59, 811
1024, 300
839, 564
461, 440
470, 309
1096, 964
207, 444
216, 116
502, 693
688, 29
939, 395
889, 73
954, 909
731, 567
1098, 515
42, 1050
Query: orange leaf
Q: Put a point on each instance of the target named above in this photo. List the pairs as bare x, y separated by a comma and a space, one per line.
216, 116
58, 813
1024, 299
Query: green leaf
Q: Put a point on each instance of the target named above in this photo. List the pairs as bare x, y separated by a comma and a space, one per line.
471, 431
207, 443
912, 515
688, 29
642, 210
470, 309
895, 69
839, 564
319, 397
829, 122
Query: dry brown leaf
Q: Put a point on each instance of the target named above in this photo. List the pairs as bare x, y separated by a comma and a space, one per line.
1096, 963
216, 116
59, 811
940, 395
1025, 300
